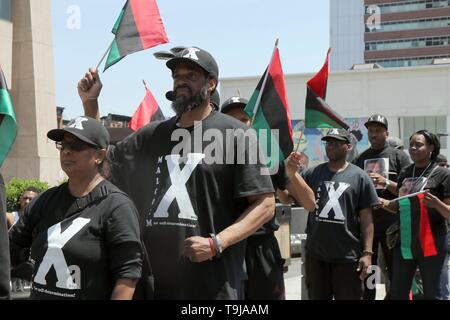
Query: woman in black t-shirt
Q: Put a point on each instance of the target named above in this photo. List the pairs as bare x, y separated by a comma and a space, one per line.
83, 236
423, 235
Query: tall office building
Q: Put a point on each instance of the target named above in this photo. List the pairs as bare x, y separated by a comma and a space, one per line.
391, 33
402, 33
346, 33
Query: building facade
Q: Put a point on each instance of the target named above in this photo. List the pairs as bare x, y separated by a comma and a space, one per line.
411, 98
390, 33
406, 33
26, 56
346, 34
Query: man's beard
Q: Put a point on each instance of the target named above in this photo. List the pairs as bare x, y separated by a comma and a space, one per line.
182, 104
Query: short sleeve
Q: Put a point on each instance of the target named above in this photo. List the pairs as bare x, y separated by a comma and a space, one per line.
403, 160
122, 237
251, 176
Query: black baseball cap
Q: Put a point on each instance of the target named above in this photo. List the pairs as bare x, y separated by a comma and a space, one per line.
198, 56
377, 118
233, 102
86, 129
338, 134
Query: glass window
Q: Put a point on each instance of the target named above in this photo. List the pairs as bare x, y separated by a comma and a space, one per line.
413, 5
5, 9
413, 24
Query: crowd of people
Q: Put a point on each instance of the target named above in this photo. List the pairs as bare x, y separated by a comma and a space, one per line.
152, 217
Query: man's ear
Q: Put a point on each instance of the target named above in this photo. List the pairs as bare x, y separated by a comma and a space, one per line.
212, 85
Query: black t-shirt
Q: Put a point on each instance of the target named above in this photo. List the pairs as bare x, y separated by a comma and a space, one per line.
333, 230
180, 199
4, 251
80, 246
395, 161
439, 185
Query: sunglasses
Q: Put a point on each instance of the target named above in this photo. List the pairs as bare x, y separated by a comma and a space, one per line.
76, 145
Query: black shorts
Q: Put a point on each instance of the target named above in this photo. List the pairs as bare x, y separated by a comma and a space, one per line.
264, 269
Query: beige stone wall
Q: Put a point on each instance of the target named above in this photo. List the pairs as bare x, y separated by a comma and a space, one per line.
33, 93
6, 38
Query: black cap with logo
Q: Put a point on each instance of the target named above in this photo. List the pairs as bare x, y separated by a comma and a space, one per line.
377, 118
197, 56
338, 134
233, 102
86, 129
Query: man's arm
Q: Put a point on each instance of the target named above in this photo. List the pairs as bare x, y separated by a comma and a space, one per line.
297, 186
89, 89
299, 189
261, 209
366, 226
124, 289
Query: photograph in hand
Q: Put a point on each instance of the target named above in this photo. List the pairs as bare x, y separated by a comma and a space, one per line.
379, 166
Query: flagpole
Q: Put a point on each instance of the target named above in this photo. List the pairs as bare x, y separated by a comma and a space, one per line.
258, 101
104, 55
301, 136
145, 85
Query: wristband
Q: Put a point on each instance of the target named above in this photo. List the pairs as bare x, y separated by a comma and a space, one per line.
367, 252
211, 245
217, 244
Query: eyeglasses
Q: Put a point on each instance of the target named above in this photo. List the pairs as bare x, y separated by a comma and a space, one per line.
76, 145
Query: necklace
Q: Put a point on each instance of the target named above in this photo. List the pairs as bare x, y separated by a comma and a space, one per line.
414, 171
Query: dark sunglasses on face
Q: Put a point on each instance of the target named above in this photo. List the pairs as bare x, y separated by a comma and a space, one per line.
76, 146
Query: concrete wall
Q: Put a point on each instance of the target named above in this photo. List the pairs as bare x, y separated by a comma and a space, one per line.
6, 39
33, 93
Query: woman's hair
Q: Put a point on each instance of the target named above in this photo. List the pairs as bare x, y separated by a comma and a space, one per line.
431, 139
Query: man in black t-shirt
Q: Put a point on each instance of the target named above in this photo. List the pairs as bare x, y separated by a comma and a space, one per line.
4, 247
197, 198
383, 164
263, 257
340, 229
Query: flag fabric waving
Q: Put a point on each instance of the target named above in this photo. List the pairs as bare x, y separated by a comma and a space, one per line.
318, 113
416, 237
147, 112
138, 27
8, 125
272, 113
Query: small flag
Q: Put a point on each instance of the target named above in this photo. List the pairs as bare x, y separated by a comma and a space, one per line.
416, 237
147, 112
272, 113
318, 113
8, 125
138, 27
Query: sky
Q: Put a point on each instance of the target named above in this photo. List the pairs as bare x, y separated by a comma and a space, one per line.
240, 34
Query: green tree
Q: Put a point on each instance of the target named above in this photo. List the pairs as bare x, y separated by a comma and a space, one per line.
16, 187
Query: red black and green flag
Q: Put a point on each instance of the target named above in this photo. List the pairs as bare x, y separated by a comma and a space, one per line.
273, 119
416, 237
147, 112
318, 113
138, 27
8, 125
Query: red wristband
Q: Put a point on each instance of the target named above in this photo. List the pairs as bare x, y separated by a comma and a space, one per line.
211, 245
